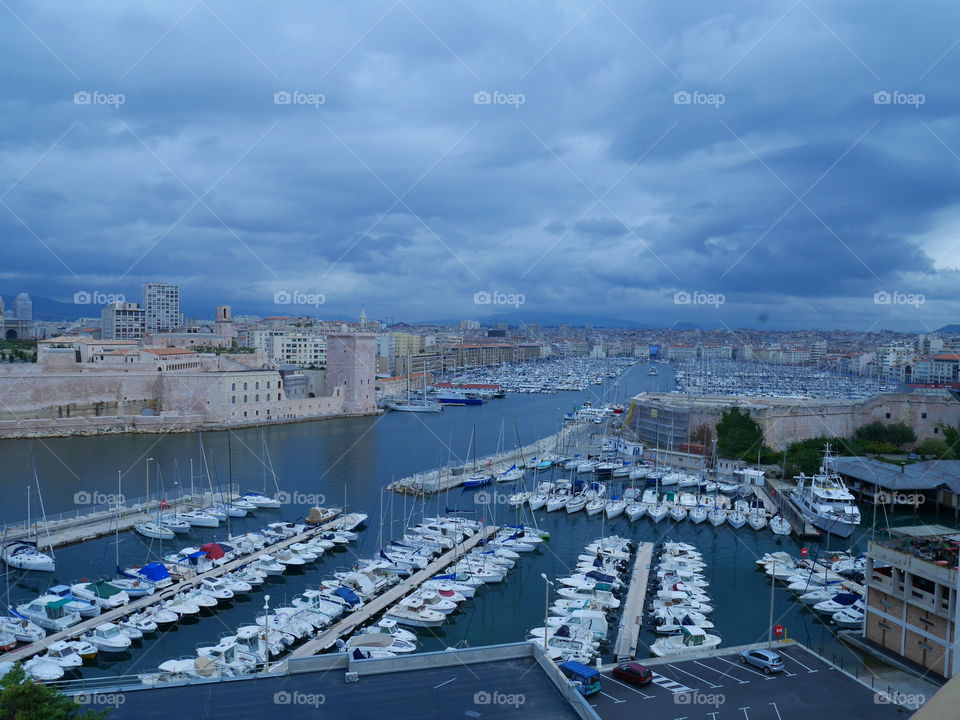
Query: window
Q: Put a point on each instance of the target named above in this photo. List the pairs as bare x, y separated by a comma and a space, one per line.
245, 387
888, 416
936, 431
257, 385
245, 400
256, 398
923, 416
233, 400
233, 386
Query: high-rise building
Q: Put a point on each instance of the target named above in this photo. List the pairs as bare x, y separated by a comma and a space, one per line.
23, 307
123, 321
161, 303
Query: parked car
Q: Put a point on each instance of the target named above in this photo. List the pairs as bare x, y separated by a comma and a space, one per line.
633, 673
767, 660
585, 678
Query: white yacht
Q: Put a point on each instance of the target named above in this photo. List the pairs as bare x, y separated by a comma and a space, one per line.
24, 555
825, 501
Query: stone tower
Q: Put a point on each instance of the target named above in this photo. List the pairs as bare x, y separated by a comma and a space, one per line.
224, 323
351, 366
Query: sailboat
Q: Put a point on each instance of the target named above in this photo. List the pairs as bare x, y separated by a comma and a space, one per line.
24, 554
150, 528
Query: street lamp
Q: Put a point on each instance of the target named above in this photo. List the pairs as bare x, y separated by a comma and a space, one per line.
546, 607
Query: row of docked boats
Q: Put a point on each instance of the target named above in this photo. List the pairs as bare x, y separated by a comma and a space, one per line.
166, 525
273, 634
591, 498
545, 376
577, 625
824, 588
681, 608
64, 606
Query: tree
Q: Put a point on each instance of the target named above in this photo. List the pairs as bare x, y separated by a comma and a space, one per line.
23, 699
880, 437
940, 449
805, 456
951, 435
738, 435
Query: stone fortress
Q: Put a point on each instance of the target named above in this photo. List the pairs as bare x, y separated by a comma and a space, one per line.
83, 385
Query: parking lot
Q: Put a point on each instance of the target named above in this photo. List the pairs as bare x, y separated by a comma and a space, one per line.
716, 688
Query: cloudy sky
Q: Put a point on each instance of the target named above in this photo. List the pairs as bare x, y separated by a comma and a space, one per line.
794, 164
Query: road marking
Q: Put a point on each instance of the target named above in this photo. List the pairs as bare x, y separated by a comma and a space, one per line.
776, 710
744, 666
444, 683
722, 672
712, 685
745, 712
628, 687
615, 700
671, 685
790, 657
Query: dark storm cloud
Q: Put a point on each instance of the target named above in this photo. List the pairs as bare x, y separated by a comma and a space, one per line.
597, 158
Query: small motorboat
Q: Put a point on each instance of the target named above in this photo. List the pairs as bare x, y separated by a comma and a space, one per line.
779, 525
44, 669
260, 501
689, 640
108, 638
737, 519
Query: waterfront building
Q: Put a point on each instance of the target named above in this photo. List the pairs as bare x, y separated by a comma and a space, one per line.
301, 349
912, 606
161, 305
123, 321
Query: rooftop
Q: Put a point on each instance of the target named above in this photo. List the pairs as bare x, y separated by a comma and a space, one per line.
926, 475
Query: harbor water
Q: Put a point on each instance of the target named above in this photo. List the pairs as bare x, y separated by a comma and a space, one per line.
350, 462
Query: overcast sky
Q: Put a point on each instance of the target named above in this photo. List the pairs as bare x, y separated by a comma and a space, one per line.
653, 161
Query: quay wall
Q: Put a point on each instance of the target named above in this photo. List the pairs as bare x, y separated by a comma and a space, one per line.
787, 420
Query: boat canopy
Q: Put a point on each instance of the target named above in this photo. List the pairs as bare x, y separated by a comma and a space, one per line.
154, 571
348, 595
103, 589
213, 551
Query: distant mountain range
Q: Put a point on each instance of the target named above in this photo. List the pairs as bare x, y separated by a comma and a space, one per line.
953, 329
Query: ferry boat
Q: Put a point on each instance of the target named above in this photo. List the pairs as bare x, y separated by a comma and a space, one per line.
825, 501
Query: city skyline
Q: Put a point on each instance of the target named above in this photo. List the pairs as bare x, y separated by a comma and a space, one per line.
599, 161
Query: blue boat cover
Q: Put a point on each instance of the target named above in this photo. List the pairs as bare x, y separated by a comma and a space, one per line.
154, 571
348, 595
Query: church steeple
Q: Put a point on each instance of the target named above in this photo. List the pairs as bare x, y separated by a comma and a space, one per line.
363, 319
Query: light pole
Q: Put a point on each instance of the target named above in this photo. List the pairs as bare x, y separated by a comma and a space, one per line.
546, 607
773, 584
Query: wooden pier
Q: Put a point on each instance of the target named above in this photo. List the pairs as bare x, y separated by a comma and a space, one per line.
773, 494
185, 584
380, 603
628, 636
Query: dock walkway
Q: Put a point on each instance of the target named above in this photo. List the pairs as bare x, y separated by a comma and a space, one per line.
69, 530
773, 494
22, 653
628, 637
380, 603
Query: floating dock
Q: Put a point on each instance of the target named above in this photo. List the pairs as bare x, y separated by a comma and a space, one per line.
773, 494
628, 636
351, 622
445, 478
80, 528
27, 651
